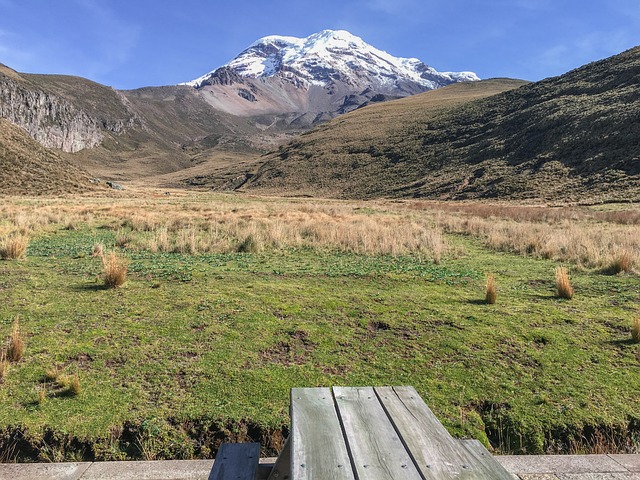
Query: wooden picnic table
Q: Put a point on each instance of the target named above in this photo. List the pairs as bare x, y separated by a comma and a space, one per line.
381, 433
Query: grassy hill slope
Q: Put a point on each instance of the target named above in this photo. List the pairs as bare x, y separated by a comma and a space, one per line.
572, 137
130, 134
28, 168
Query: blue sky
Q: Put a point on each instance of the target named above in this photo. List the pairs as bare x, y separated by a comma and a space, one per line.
135, 43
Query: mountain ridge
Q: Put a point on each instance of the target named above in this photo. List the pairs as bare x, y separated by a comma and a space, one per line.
321, 73
571, 138
123, 135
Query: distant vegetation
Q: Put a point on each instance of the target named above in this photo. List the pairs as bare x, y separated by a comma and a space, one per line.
231, 300
568, 138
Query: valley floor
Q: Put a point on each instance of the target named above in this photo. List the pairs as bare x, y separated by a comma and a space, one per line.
231, 300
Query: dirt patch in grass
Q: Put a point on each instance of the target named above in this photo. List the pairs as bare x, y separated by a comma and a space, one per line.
294, 351
81, 360
377, 326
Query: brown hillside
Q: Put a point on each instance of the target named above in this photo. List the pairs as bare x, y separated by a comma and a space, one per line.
127, 135
341, 158
573, 137
26, 168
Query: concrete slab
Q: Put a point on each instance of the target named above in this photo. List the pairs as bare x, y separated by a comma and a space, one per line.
42, 471
559, 464
599, 476
151, 470
537, 476
630, 462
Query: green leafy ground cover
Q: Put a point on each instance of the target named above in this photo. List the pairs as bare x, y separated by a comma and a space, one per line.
197, 348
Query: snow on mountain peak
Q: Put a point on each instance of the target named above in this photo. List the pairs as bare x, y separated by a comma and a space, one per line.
331, 56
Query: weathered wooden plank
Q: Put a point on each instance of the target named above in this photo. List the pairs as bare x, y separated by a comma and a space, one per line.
488, 466
236, 461
282, 468
318, 449
435, 452
376, 449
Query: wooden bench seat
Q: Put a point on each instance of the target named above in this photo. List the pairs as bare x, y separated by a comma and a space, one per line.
236, 461
382, 433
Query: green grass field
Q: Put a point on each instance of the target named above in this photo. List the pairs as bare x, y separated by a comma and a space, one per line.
194, 349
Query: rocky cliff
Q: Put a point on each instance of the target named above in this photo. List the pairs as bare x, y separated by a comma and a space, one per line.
50, 120
53, 119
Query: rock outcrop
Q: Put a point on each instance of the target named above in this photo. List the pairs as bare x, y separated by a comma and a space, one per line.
52, 121
65, 113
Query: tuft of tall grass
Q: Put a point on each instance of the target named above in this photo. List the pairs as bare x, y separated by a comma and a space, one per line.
249, 245
42, 395
491, 291
63, 381
635, 330
15, 349
74, 385
621, 263
563, 284
52, 374
123, 239
4, 365
14, 247
115, 270
98, 250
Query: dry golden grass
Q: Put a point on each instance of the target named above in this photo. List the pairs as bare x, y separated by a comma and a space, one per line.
115, 270
98, 250
122, 239
491, 292
583, 237
42, 395
63, 381
14, 247
635, 330
74, 385
15, 348
621, 263
194, 224
563, 284
52, 374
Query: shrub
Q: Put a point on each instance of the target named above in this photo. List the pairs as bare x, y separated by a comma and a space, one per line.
15, 350
635, 330
563, 285
115, 271
491, 292
14, 248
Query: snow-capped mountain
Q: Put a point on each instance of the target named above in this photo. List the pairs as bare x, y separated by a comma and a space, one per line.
328, 72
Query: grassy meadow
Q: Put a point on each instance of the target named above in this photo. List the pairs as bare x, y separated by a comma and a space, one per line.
216, 305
